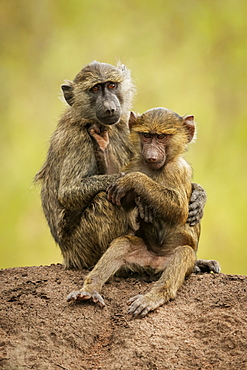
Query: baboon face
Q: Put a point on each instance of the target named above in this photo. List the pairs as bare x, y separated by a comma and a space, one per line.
100, 92
104, 97
153, 149
162, 134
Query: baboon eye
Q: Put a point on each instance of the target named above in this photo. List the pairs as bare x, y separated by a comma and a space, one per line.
95, 88
112, 85
147, 135
161, 136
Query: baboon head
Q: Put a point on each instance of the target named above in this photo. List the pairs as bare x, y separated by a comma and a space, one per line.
100, 92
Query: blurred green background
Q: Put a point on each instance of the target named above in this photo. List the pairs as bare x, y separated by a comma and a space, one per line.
189, 56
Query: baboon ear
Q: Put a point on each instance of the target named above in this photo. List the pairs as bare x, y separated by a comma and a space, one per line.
189, 123
132, 119
68, 92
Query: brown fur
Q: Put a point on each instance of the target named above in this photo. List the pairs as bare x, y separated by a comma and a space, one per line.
76, 174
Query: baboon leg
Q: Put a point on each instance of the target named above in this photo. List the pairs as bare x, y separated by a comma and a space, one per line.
180, 264
130, 251
110, 262
99, 224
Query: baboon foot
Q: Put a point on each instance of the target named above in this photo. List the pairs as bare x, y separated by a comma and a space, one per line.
207, 266
141, 304
81, 295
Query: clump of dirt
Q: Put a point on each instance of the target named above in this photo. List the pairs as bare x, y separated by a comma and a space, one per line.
203, 328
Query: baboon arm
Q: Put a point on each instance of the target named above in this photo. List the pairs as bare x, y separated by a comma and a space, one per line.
77, 194
168, 202
78, 180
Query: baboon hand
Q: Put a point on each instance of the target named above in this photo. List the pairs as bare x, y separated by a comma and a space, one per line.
207, 266
197, 203
81, 295
100, 135
146, 213
116, 191
141, 304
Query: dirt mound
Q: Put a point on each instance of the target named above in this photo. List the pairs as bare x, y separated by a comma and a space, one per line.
203, 328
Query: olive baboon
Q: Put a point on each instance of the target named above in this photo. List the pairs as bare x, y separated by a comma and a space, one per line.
159, 178
73, 181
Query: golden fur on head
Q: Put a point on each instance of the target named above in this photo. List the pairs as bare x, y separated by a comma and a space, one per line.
158, 121
165, 121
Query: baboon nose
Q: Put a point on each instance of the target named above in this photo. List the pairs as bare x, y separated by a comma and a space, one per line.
110, 112
110, 108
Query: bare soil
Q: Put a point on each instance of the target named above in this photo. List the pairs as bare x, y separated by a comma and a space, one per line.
205, 327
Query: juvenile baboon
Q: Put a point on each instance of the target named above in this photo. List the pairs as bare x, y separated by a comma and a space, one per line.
75, 175
158, 185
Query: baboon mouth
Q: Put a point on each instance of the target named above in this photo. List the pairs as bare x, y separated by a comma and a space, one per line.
155, 165
109, 120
